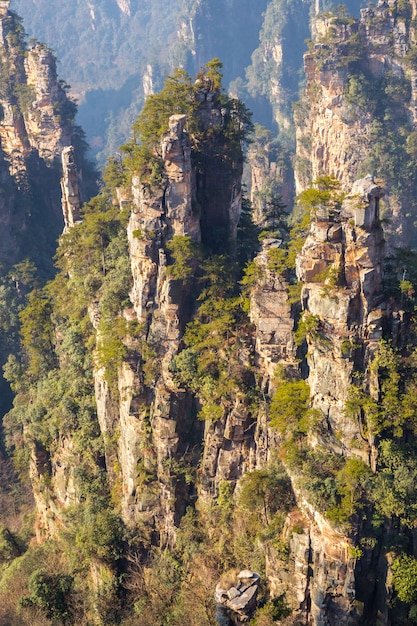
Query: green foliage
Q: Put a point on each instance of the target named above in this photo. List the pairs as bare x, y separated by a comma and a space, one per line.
289, 411
37, 332
338, 487
141, 160
404, 577
25, 95
276, 609
185, 255
100, 534
353, 484
384, 99
397, 411
278, 260
339, 47
208, 366
114, 174
349, 345
308, 328
174, 98
252, 274
324, 194
95, 256
225, 498
111, 348
267, 490
49, 593
9, 546
394, 491
214, 73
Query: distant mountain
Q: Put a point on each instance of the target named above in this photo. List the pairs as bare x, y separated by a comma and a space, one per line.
113, 52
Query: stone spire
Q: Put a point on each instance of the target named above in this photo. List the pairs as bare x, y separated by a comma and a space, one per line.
71, 200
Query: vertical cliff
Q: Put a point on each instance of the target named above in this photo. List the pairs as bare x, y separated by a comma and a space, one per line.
357, 116
37, 123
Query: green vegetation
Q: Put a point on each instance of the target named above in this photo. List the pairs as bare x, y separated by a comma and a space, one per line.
184, 255
336, 50
182, 96
220, 329
289, 409
48, 594
404, 571
79, 323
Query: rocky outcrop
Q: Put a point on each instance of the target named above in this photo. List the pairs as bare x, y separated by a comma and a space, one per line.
359, 100
339, 139
49, 115
158, 217
153, 443
150, 418
152, 412
340, 266
271, 314
4, 7
71, 197
318, 579
37, 122
271, 181
237, 600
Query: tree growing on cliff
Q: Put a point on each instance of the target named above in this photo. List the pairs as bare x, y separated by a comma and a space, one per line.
180, 95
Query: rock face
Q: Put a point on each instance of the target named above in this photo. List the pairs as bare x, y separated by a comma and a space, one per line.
159, 305
36, 125
340, 267
150, 433
237, 601
4, 7
319, 578
71, 197
270, 180
48, 119
271, 313
340, 130
152, 413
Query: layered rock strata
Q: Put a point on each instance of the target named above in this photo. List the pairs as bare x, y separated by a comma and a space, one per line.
37, 123
360, 98
340, 267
